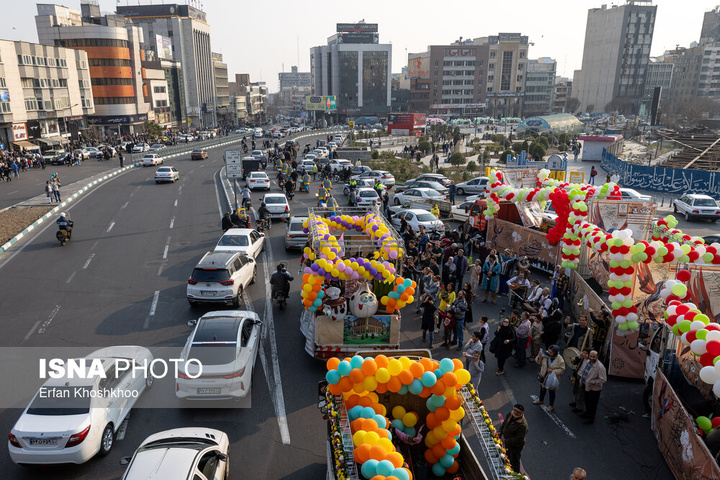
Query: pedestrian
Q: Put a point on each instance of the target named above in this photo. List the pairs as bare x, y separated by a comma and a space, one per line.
461, 267
616, 179
502, 344
451, 192
514, 430
448, 324
578, 403
48, 192
578, 474
428, 318
484, 335
593, 174
121, 158
56, 189
476, 368
592, 378
491, 271
469, 299
458, 309
447, 297
474, 345
536, 331
522, 337
579, 335
475, 275
552, 366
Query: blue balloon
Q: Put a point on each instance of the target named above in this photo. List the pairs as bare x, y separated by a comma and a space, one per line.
438, 373
368, 412
438, 400
369, 468
416, 387
333, 377
397, 423
410, 431
312, 308
455, 450
407, 283
403, 390
320, 294
430, 405
380, 420
355, 412
428, 379
401, 474
447, 365
400, 288
356, 361
385, 468
438, 470
344, 368
447, 461
317, 302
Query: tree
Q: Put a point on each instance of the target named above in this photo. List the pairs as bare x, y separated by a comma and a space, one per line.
564, 138
544, 142
152, 129
504, 155
424, 146
525, 146
375, 155
572, 104
537, 151
517, 147
457, 159
471, 166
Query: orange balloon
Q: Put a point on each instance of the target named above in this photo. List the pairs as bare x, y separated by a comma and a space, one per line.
382, 361
417, 369
391, 303
425, 392
438, 389
316, 287
332, 363
427, 364
394, 384
378, 477
361, 454
383, 433
392, 477
381, 388
399, 280
448, 442
346, 384
335, 389
352, 401
449, 379
454, 467
404, 296
442, 413
389, 309
358, 387
430, 457
406, 377
379, 409
369, 425
431, 420
395, 458
356, 424
357, 376
377, 452
439, 451
305, 277
365, 402
456, 432
369, 367
453, 403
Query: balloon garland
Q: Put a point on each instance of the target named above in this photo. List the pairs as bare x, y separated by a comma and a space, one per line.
328, 263
359, 380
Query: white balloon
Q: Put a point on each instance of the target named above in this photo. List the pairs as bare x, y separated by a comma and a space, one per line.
717, 368
620, 297
709, 375
671, 310
696, 325
692, 307
670, 283
713, 335
625, 277
684, 340
716, 388
620, 319
629, 241
665, 292
698, 348
631, 317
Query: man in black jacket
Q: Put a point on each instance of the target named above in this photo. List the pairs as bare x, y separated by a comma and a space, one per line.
514, 430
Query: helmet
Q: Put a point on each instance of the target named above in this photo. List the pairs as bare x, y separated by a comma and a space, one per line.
63, 214
262, 204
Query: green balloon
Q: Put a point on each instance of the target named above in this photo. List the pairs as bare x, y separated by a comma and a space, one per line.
684, 326
623, 326
704, 423
632, 325
702, 333
676, 332
703, 318
625, 263
627, 303
616, 305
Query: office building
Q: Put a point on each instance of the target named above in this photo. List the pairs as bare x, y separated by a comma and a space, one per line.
506, 73
250, 99
539, 87
188, 41
355, 68
294, 86
222, 93
45, 95
563, 88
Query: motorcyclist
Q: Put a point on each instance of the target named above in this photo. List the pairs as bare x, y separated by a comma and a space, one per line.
243, 219
327, 184
280, 281
263, 212
322, 194
306, 181
289, 187
65, 223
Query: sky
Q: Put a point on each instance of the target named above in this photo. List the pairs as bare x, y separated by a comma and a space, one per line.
263, 39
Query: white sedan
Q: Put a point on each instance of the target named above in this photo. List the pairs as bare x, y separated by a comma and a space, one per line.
630, 194
70, 420
277, 204
244, 240
166, 174
363, 182
257, 180
190, 452
366, 196
226, 345
415, 193
417, 217
141, 147
151, 159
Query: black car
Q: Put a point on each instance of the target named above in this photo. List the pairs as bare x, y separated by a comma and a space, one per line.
62, 159
710, 239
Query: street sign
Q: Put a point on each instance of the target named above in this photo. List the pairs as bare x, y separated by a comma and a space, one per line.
233, 163
577, 177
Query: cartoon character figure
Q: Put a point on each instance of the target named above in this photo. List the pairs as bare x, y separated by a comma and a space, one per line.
363, 303
336, 310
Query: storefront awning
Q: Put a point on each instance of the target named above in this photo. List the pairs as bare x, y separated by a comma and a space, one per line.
26, 145
47, 141
59, 140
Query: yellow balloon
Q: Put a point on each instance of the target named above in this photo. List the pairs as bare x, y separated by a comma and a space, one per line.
387, 444
463, 376
372, 438
409, 419
382, 375
398, 412
450, 392
431, 437
359, 437
370, 384
406, 362
458, 414
395, 366
439, 432
447, 425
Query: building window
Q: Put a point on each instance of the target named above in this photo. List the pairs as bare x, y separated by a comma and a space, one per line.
5, 107
489, 89
31, 104
437, 62
2, 82
491, 67
506, 75
519, 78
491, 78
493, 54
159, 89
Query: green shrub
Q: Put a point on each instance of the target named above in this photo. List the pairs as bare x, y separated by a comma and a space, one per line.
503, 155
457, 159
519, 147
544, 142
424, 147
471, 166
375, 155
537, 151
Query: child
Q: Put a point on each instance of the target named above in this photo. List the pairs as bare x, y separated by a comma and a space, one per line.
428, 318
448, 322
476, 369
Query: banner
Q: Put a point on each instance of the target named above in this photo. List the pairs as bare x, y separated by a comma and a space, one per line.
522, 242
629, 351
19, 132
521, 178
164, 47
320, 102
684, 451
419, 65
649, 281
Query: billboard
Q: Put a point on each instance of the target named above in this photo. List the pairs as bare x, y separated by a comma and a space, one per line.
19, 131
419, 65
320, 102
164, 47
357, 27
4, 95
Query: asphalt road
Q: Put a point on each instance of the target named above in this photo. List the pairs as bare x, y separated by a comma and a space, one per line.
99, 291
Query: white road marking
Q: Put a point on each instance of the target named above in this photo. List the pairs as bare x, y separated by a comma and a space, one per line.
46, 323
175, 203
32, 330
153, 307
172, 222
15, 191
180, 189
508, 390
554, 418
110, 227
125, 205
167, 246
70, 277
88, 261
94, 245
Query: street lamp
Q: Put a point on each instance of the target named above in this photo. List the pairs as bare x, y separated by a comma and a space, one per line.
64, 118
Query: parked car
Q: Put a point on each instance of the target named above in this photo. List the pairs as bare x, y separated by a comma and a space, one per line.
416, 217
140, 148
198, 154
277, 204
247, 241
93, 152
695, 206
151, 159
166, 174
422, 184
182, 453
461, 212
710, 239
294, 236
475, 186
413, 193
633, 195
433, 177
77, 419
226, 345
60, 159
220, 277
385, 177
257, 180
157, 147
83, 152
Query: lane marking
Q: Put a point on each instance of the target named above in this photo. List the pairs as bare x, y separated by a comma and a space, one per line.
120, 435
153, 307
88, 261
32, 330
125, 205
112, 224
71, 277
167, 246
94, 245
172, 222
16, 191
508, 390
553, 417
175, 203
46, 323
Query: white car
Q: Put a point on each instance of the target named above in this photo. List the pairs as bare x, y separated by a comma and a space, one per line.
70, 420
305, 165
257, 180
476, 185
182, 453
294, 235
338, 163
363, 182
166, 174
157, 147
415, 193
185, 138
366, 196
258, 133
226, 344
385, 177
151, 159
416, 217
243, 240
220, 277
310, 156
332, 145
633, 195
277, 204
83, 152
461, 212
697, 206
140, 147
93, 152
319, 153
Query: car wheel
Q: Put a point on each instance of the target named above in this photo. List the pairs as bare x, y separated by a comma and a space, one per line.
687, 216
107, 440
396, 201
254, 277
346, 192
460, 191
192, 304
236, 300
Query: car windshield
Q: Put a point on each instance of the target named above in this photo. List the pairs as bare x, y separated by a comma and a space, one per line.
197, 151
705, 202
163, 169
433, 193
426, 217
210, 275
186, 443
258, 175
213, 353
368, 193
296, 227
234, 241
275, 200
61, 400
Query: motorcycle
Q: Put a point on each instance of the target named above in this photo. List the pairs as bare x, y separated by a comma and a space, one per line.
290, 195
279, 297
63, 236
264, 224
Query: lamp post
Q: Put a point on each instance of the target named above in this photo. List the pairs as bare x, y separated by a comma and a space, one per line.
64, 119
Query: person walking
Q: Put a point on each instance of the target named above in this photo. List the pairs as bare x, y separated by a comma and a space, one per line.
593, 174
491, 277
428, 318
552, 366
592, 378
458, 309
578, 403
48, 192
451, 192
513, 431
475, 275
476, 368
56, 189
502, 344
121, 158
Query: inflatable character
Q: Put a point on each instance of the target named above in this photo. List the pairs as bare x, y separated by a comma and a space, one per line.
363, 303
335, 307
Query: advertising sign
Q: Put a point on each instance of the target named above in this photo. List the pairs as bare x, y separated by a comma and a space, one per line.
577, 177
357, 27
521, 178
419, 65
4, 95
19, 131
164, 47
320, 102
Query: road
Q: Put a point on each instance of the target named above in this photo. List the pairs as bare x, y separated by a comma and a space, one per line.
122, 281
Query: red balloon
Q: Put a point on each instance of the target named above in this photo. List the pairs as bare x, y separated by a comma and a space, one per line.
713, 348
715, 422
671, 320
706, 360
691, 336
712, 326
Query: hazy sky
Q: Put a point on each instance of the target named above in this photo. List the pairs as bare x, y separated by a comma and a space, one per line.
260, 37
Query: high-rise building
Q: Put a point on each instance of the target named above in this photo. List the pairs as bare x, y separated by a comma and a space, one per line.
539, 87
711, 26
222, 93
44, 95
250, 99
615, 57
687, 63
355, 68
294, 86
563, 88
188, 32
659, 74
506, 73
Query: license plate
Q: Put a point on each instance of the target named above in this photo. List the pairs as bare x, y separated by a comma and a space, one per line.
208, 391
43, 441
208, 293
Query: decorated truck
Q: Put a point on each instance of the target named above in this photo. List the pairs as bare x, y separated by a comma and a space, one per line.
404, 415
352, 291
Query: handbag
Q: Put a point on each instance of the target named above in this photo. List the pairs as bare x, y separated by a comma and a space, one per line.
494, 344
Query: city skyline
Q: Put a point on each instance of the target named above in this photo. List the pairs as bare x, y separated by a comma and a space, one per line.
274, 46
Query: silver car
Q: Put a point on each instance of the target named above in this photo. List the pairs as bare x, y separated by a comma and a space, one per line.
294, 236
476, 185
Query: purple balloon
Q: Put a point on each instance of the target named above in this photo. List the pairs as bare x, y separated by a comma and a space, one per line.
373, 271
315, 267
321, 272
308, 270
354, 275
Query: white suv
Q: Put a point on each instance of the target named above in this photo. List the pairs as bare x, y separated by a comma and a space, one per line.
697, 206
220, 277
